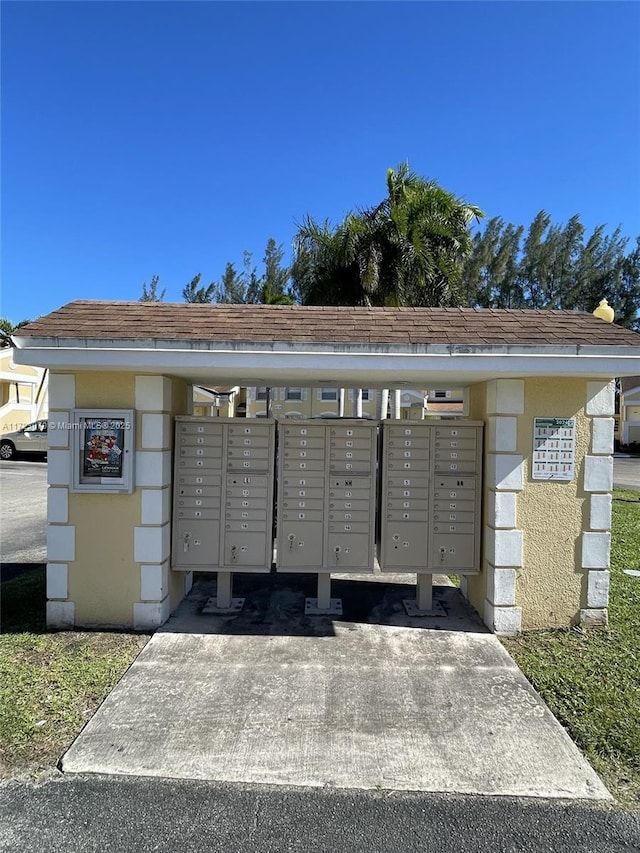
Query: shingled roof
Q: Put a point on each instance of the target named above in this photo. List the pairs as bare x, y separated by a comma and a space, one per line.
137, 321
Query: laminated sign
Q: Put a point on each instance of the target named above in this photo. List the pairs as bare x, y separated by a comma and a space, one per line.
554, 448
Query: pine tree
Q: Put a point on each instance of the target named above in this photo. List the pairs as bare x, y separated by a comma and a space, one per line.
150, 291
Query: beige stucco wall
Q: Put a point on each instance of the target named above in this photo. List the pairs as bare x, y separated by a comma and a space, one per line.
104, 580
549, 587
549, 582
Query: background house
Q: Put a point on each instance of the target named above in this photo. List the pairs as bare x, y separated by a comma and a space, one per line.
23, 392
629, 429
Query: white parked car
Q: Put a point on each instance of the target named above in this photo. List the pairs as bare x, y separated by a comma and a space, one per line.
30, 439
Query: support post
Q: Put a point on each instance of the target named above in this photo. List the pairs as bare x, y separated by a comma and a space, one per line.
357, 402
225, 582
324, 590
424, 592
323, 605
396, 412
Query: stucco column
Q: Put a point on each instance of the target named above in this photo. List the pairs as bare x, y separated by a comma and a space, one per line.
61, 536
504, 480
152, 538
598, 483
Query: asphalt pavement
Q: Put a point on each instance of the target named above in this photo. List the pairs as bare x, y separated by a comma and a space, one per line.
96, 814
23, 514
626, 472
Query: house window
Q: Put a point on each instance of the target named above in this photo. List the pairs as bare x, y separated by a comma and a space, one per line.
328, 394
261, 393
353, 393
294, 394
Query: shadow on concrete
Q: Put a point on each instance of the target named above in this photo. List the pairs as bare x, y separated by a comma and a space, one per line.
274, 606
11, 571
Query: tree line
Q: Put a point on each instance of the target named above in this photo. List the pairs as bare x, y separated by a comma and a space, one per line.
417, 247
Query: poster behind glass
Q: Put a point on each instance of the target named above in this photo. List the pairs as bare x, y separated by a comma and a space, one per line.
103, 447
103, 450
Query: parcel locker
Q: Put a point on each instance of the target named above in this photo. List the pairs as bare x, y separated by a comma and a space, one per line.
223, 494
326, 497
430, 501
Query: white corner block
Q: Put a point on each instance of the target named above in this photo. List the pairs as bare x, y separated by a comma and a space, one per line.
596, 618
507, 548
502, 509
61, 614
598, 473
153, 468
505, 472
602, 435
57, 580
506, 621
59, 467
154, 582
505, 397
502, 434
188, 582
146, 617
501, 586
601, 399
155, 506
151, 544
153, 393
61, 543
156, 432
598, 589
596, 550
61, 391
57, 505
600, 512
59, 429
503, 547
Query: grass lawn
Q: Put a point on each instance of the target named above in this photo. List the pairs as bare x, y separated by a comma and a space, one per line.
591, 679
50, 684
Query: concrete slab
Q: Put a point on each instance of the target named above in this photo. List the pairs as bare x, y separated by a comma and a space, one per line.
374, 700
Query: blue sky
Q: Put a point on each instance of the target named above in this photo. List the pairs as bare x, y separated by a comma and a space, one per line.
143, 138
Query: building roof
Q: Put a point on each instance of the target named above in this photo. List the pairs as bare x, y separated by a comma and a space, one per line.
91, 320
284, 345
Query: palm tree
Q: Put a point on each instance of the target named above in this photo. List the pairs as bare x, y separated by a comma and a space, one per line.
408, 250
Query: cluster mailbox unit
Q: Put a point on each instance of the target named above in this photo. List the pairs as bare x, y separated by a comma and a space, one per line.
326, 499
430, 501
223, 497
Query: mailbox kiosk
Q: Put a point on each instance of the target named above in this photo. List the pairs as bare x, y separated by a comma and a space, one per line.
431, 495
326, 498
223, 498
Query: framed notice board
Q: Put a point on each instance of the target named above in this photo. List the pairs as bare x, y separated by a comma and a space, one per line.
554, 448
103, 450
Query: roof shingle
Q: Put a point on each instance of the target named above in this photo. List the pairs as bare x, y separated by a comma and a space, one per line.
136, 321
